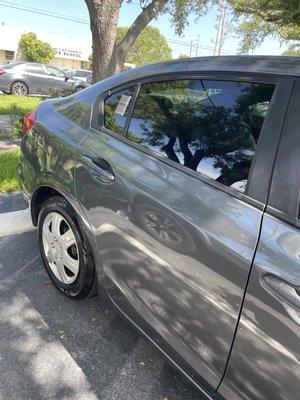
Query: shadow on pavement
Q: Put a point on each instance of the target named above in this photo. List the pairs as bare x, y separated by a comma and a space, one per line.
56, 348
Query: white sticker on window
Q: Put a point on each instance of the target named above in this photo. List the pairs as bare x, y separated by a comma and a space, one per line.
123, 104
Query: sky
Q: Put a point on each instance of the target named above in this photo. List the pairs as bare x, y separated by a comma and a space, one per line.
204, 27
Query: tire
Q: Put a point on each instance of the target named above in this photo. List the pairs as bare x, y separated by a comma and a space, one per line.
79, 88
19, 89
57, 218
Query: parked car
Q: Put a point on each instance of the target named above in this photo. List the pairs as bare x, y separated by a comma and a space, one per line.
24, 78
175, 186
81, 74
89, 79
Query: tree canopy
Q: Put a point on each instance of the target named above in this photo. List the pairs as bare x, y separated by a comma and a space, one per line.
293, 51
34, 50
262, 18
150, 47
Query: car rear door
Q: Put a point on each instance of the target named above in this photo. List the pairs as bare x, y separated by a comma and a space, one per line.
173, 178
35, 77
265, 360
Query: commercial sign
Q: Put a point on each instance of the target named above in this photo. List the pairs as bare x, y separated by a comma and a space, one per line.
68, 53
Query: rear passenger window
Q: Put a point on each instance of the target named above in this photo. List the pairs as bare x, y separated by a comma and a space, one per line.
116, 110
208, 126
33, 68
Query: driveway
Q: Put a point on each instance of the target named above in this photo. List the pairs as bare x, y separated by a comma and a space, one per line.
54, 348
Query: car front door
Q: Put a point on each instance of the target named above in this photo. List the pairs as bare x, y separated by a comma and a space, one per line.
57, 79
265, 359
165, 177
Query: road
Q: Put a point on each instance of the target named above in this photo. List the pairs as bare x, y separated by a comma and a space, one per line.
54, 348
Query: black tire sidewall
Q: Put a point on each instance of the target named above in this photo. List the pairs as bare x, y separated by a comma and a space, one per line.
83, 284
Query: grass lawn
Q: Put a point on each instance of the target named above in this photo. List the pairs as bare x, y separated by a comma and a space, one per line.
8, 171
17, 105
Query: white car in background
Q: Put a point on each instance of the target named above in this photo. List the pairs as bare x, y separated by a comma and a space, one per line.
81, 74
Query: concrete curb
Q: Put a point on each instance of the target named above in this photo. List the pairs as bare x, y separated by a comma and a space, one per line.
15, 223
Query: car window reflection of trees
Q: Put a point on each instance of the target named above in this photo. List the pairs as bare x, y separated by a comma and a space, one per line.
190, 121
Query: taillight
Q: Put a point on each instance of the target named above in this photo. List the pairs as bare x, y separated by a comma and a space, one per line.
2, 72
29, 121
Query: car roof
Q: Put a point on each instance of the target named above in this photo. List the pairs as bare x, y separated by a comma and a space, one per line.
18, 64
260, 65
275, 65
12, 65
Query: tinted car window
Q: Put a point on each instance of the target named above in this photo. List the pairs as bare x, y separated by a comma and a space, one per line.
33, 68
70, 72
54, 71
208, 126
116, 110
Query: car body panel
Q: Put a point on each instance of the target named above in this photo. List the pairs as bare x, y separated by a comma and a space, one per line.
166, 286
48, 151
265, 360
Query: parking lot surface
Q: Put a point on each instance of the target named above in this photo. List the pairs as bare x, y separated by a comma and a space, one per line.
54, 348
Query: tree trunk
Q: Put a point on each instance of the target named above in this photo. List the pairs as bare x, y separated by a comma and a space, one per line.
109, 57
104, 15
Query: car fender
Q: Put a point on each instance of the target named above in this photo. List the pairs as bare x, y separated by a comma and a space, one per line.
52, 182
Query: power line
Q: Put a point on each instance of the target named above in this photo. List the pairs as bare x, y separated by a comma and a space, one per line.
42, 12
47, 13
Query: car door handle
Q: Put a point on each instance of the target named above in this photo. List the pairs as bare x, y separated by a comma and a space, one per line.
102, 168
283, 290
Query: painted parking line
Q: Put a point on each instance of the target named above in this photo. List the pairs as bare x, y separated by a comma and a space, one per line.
15, 223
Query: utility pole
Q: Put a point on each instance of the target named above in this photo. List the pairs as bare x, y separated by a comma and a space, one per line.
221, 28
198, 38
191, 48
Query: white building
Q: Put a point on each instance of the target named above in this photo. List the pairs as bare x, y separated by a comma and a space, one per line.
70, 52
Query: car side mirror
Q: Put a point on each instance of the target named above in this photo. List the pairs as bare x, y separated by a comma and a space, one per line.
67, 78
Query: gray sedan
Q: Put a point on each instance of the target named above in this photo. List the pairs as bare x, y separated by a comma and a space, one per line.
27, 78
174, 189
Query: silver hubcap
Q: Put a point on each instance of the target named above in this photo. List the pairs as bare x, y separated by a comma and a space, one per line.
19, 89
60, 248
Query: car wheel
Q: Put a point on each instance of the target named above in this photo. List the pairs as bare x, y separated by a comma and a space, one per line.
65, 252
79, 88
19, 89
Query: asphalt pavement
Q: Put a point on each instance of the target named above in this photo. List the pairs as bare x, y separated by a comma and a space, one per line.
52, 347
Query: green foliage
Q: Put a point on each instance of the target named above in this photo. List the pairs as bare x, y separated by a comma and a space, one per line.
262, 18
17, 107
8, 171
150, 47
293, 51
35, 50
16, 122
56, 92
182, 57
181, 10
13, 105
